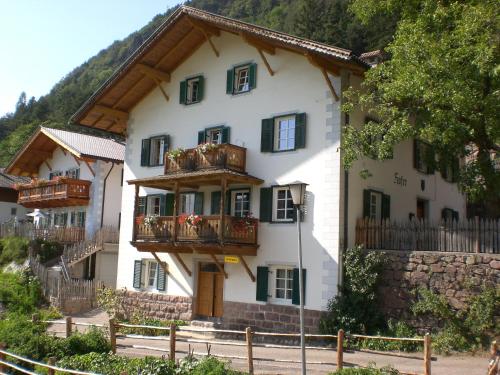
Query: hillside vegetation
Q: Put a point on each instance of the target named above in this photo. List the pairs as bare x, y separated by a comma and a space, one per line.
327, 21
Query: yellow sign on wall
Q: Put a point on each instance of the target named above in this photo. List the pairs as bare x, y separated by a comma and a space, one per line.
228, 259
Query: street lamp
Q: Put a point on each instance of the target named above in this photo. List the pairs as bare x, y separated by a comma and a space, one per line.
298, 192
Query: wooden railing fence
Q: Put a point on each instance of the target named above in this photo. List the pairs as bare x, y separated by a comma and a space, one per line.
80, 250
468, 236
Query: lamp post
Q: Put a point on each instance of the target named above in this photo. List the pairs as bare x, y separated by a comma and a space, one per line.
298, 191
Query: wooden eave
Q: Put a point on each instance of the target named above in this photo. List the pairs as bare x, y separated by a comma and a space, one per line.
174, 42
196, 247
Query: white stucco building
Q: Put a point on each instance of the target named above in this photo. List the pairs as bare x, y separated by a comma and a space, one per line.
10, 211
76, 189
270, 103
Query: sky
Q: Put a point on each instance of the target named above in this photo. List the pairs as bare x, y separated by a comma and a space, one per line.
43, 40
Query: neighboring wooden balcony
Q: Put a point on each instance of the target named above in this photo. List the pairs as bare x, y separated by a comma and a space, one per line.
234, 236
224, 156
62, 234
60, 192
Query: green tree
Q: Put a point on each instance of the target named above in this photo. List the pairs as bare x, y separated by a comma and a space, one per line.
441, 84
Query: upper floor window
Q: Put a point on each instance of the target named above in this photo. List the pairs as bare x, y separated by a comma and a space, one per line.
423, 157
77, 219
283, 209
191, 90
215, 135
191, 203
240, 203
241, 79
60, 219
73, 173
13, 211
54, 174
154, 205
283, 133
153, 150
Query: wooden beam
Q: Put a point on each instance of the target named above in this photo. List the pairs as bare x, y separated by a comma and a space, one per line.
89, 167
200, 25
163, 264
222, 213
110, 125
321, 62
45, 154
266, 63
217, 263
62, 149
48, 165
249, 271
76, 159
330, 85
158, 83
259, 44
206, 33
179, 259
153, 73
175, 210
113, 112
99, 118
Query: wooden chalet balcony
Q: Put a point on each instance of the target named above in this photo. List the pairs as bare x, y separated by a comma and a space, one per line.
60, 192
62, 234
224, 156
235, 236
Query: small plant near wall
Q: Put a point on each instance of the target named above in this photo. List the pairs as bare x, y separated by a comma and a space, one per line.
150, 221
204, 148
192, 220
244, 224
173, 155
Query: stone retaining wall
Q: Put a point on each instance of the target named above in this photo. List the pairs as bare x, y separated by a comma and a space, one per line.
155, 305
458, 276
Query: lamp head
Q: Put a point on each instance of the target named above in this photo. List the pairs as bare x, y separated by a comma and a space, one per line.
298, 192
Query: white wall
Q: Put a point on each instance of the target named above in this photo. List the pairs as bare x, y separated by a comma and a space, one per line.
297, 86
6, 211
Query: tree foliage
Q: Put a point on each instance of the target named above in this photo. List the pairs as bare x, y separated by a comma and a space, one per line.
441, 84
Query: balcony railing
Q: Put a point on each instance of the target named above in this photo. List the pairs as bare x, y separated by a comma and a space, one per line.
195, 159
54, 193
64, 235
236, 230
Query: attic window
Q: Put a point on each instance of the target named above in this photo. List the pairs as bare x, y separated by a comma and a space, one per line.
241, 79
191, 90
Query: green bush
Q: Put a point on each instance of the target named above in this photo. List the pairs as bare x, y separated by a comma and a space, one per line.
19, 292
46, 250
469, 329
354, 309
13, 249
367, 371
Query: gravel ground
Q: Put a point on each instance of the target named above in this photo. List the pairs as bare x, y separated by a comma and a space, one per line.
272, 360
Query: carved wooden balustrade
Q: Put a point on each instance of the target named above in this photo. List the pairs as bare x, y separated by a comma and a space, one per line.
55, 193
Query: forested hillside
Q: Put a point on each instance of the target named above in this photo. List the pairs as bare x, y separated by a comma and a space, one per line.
327, 21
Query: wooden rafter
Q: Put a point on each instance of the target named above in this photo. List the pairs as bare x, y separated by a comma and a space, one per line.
266, 63
89, 167
113, 112
330, 85
99, 118
62, 149
209, 29
76, 159
165, 95
217, 263
325, 68
48, 165
206, 33
163, 264
179, 259
110, 125
153, 73
259, 44
249, 271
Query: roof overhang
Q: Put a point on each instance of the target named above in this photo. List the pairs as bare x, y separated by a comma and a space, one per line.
172, 43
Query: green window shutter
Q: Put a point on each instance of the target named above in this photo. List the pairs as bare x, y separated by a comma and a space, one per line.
295, 287
198, 203
366, 203
252, 73
230, 82
65, 219
455, 170
262, 283
183, 92
430, 156
72, 218
166, 146
228, 202
443, 164
416, 154
266, 204
386, 206
161, 279
215, 203
137, 274
225, 134
267, 135
145, 152
201, 137
163, 204
300, 130
169, 204
201, 87
454, 215
141, 209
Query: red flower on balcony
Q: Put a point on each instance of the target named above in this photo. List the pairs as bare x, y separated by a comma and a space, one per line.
191, 220
244, 224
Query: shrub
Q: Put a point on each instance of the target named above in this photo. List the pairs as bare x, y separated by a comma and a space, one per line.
46, 250
469, 329
354, 309
13, 249
139, 318
367, 371
19, 292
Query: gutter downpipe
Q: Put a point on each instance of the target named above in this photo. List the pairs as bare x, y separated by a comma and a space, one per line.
104, 192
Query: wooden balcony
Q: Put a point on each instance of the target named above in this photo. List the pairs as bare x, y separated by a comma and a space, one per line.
224, 156
62, 234
237, 236
60, 192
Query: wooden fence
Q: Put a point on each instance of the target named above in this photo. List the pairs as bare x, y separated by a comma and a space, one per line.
468, 236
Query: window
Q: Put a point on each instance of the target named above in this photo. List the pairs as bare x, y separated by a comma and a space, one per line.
449, 169
77, 219
141, 205
375, 205
191, 90
241, 79
149, 275
283, 209
283, 133
187, 203
60, 219
449, 215
13, 211
279, 284
73, 173
422, 209
282, 284
240, 203
154, 205
153, 150
423, 157
54, 174
215, 135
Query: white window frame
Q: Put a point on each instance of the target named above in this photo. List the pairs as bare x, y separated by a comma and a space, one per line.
190, 92
187, 201
149, 265
156, 151
273, 287
79, 223
375, 205
214, 136
287, 134
288, 196
55, 174
153, 205
241, 79
73, 173
242, 212
58, 215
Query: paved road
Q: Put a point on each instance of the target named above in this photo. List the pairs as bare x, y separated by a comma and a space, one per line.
319, 361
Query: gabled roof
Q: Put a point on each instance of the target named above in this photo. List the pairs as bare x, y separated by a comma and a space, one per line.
172, 43
44, 141
8, 180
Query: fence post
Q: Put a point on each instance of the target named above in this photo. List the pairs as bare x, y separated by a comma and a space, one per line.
52, 362
478, 233
494, 359
340, 349
427, 354
68, 326
249, 336
173, 328
112, 335
3, 368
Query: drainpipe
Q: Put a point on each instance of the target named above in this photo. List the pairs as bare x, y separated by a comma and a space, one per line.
346, 229
104, 193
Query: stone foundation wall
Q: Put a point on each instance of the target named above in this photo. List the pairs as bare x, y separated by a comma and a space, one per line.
457, 276
154, 305
276, 318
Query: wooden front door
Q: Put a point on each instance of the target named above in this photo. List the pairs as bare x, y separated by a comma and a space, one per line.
210, 290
